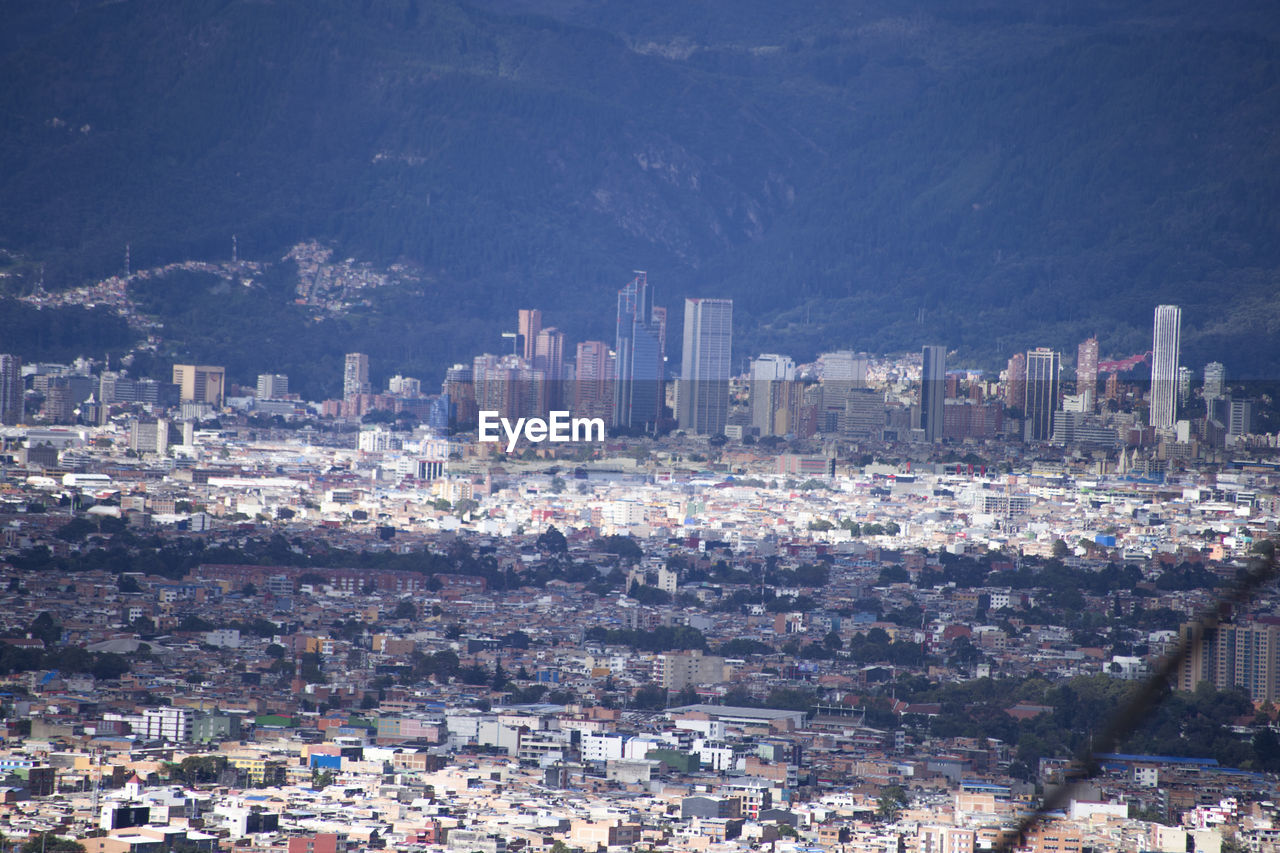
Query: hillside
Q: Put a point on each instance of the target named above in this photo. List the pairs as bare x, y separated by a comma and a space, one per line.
1015, 173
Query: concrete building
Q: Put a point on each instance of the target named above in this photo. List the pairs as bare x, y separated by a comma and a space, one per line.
1165, 339
703, 398
200, 383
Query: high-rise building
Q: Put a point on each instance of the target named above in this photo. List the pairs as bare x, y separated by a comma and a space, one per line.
12, 410
459, 387
355, 375
639, 357
200, 383
703, 398
1215, 376
528, 325
593, 382
273, 386
1165, 338
844, 366
1042, 393
933, 392
510, 386
1244, 655
147, 436
1087, 370
1015, 382
1185, 375
769, 372
548, 356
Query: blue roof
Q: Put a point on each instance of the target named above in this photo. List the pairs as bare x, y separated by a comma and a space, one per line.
1155, 759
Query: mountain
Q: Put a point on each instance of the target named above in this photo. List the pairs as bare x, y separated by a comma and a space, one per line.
987, 174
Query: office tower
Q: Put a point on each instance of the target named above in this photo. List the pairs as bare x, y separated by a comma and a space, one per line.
273, 386
528, 325
933, 378
704, 368
1165, 337
1239, 417
864, 414
1015, 382
12, 410
843, 366
593, 382
770, 374
1215, 376
1087, 370
59, 405
1042, 393
638, 365
355, 375
548, 356
149, 437
199, 383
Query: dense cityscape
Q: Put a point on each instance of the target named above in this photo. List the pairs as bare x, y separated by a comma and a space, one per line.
869, 603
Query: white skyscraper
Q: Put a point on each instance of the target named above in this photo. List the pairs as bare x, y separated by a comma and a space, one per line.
1166, 336
703, 400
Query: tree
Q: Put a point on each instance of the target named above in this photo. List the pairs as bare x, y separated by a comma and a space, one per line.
893, 799
553, 541
406, 609
45, 629
47, 842
557, 485
650, 697
1060, 549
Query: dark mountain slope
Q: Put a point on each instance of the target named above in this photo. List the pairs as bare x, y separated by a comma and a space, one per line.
1025, 173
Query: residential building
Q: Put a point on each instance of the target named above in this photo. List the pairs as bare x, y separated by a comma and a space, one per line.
355, 375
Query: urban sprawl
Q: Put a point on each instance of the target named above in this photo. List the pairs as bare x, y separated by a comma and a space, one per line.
871, 603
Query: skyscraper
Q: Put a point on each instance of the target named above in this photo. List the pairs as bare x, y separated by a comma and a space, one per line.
933, 388
12, 410
703, 398
1087, 370
1042, 393
1165, 338
1015, 382
548, 356
355, 375
637, 387
528, 325
769, 372
1215, 376
593, 384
